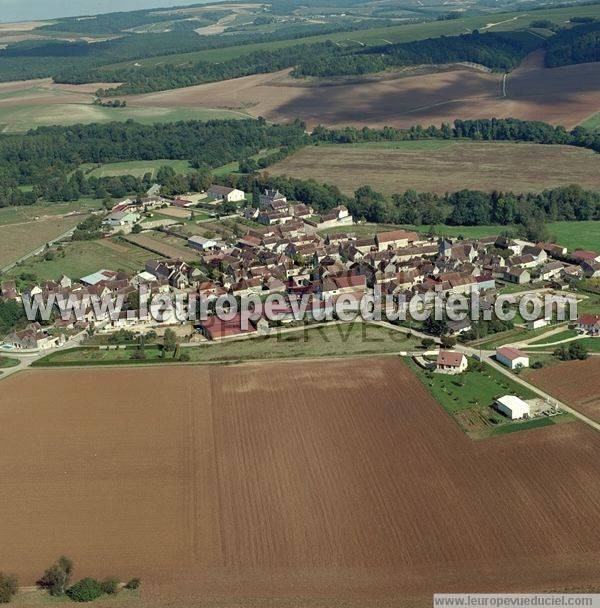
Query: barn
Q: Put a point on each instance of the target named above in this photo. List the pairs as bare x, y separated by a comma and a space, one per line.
513, 407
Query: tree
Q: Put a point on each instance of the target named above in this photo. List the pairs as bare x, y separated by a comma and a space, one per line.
170, 340
56, 578
8, 587
448, 341
427, 342
85, 590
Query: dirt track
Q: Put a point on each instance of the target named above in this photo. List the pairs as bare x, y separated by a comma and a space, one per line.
565, 95
280, 481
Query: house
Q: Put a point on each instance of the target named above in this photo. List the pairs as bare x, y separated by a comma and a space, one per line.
512, 357
8, 290
394, 239
581, 255
591, 270
215, 328
224, 193
33, 337
450, 362
590, 324
537, 323
122, 219
513, 407
271, 196
520, 276
550, 270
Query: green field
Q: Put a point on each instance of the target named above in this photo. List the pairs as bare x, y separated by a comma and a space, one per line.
508, 21
562, 335
8, 361
325, 341
576, 235
138, 168
593, 122
85, 257
22, 118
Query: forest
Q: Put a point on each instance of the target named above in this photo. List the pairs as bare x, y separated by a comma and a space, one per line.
578, 45
496, 51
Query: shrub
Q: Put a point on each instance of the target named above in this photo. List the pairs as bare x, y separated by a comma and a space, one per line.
8, 587
537, 365
134, 583
184, 356
86, 590
427, 342
110, 585
139, 354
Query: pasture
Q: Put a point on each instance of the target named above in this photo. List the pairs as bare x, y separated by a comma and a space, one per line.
163, 245
593, 122
296, 483
444, 166
81, 258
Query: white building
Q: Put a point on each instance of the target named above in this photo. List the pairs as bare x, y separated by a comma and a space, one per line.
512, 357
513, 407
451, 362
231, 195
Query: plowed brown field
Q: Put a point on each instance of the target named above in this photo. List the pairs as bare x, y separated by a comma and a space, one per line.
577, 383
294, 483
566, 95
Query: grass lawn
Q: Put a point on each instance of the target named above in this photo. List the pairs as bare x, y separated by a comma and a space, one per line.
563, 335
8, 361
324, 341
19, 119
576, 235
138, 168
468, 232
84, 257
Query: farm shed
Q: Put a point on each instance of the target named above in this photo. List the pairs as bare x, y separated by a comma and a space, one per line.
513, 407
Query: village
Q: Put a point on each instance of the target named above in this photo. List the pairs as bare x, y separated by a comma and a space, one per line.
286, 249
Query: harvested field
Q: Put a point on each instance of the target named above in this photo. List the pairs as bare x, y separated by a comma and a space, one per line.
169, 247
565, 95
224, 485
443, 166
577, 383
17, 240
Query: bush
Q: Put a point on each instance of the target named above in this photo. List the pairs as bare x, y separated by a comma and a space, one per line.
427, 342
537, 365
86, 590
184, 356
8, 587
134, 583
110, 585
139, 355
448, 341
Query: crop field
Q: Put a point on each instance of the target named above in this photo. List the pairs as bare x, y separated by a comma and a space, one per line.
565, 95
444, 166
576, 235
574, 382
19, 239
293, 483
81, 258
42, 211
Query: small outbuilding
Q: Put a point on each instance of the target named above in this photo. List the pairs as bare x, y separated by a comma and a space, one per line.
512, 357
513, 407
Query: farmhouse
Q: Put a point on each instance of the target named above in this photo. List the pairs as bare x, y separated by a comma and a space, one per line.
216, 329
224, 193
581, 255
589, 324
121, 219
512, 357
513, 407
33, 337
450, 362
97, 277
520, 276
